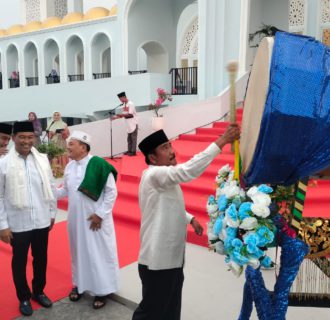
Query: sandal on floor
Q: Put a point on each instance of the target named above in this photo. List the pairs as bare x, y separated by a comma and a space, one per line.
99, 302
74, 295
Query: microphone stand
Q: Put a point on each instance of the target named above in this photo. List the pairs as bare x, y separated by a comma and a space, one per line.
47, 133
112, 112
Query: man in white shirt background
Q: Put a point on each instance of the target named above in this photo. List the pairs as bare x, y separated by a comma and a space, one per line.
130, 116
27, 213
5, 136
89, 183
164, 221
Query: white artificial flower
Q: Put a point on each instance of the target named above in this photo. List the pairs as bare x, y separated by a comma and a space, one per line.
254, 263
260, 210
232, 223
218, 193
211, 208
242, 193
235, 268
262, 199
219, 180
249, 223
211, 236
224, 171
252, 191
231, 176
231, 191
220, 248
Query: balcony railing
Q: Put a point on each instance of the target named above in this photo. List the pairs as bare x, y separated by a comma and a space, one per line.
137, 72
32, 81
13, 83
75, 77
102, 75
184, 80
52, 79
0, 84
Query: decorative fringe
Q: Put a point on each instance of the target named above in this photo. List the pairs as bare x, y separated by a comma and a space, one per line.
312, 281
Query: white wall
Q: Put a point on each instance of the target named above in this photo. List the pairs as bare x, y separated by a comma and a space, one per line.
178, 119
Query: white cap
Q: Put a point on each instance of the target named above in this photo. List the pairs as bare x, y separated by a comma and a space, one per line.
80, 136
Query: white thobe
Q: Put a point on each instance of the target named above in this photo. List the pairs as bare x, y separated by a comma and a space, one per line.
94, 259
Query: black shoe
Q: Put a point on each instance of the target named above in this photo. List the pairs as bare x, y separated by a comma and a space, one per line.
43, 300
25, 308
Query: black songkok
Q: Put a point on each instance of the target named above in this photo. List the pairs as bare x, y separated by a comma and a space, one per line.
23, 126
6, 128
121, 94
153, 141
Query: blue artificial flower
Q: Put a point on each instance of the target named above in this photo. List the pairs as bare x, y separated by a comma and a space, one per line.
266, 262
237, 257
231, 232
232, 212
251, 241
237, 244
265, 236
265, 189
211, 200
257, 254
222, 203
243, 210
227, 244
218, 225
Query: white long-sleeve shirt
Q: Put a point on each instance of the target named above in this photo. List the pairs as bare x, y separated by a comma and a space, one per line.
164, 218
39, 212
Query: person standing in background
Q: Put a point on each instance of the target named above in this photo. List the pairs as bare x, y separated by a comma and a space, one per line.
5, 136
130, 116
58, 131
37, 127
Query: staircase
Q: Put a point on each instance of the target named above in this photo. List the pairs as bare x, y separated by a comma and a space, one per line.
127, 213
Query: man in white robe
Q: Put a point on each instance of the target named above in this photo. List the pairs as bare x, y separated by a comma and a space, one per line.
90, 222
5, 136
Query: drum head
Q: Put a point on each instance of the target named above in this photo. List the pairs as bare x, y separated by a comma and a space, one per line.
255, 101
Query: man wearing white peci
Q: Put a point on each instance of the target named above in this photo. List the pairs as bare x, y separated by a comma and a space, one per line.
89, 183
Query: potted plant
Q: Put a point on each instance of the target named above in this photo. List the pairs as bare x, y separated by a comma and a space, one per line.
158, 121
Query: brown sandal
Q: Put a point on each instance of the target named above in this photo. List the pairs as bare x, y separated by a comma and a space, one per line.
99, 302
74, 295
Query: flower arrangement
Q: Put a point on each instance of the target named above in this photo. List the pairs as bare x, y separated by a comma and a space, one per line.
240, 224
162, 96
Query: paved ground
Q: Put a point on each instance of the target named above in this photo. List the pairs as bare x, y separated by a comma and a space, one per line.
82, 310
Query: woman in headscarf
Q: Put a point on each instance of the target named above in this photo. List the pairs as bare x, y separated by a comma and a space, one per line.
36, 126
58, 130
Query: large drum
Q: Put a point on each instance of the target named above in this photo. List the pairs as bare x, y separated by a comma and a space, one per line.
286, 118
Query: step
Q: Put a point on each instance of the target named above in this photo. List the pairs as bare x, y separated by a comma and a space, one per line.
194, 137
213, 131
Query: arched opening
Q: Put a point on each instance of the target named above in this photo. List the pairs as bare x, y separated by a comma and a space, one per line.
153, 57
75, 59
12, 67
31, 64
188, 56
101, 56
52, 62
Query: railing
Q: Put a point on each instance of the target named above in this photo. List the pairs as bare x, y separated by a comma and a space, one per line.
52, 79
137, 72
13, 83
32, 81
184, 80
75, 77
101, 75
0, 84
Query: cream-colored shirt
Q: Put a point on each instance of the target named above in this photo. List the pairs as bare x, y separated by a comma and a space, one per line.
39, 212
164, 218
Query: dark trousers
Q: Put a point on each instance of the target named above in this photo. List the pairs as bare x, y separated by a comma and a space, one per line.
161, 294
21, 242
132, 140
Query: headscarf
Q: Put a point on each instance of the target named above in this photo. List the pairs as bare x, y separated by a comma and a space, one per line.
58, 124
36, 123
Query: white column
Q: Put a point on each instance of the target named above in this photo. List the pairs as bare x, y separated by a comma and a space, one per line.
23, 11
244, 30
211, 15
75, 6
21, 67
